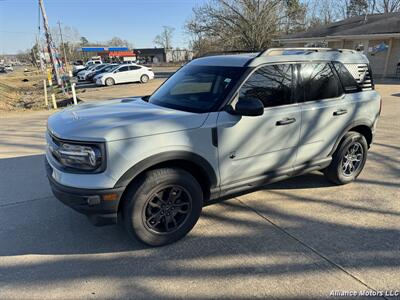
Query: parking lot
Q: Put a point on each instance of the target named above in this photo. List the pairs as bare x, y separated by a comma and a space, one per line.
302, 238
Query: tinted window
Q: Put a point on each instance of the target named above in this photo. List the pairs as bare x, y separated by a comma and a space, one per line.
123, 69
319, 82
272, 85
134, 68
349, 83
197, 88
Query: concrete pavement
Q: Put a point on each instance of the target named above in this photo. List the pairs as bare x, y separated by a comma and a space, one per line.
301, 238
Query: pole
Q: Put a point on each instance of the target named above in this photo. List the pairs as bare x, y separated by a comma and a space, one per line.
53, 98
46, 100
74, 93
63, 47
49, 43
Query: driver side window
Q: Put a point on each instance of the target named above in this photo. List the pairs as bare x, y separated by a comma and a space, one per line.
271, 84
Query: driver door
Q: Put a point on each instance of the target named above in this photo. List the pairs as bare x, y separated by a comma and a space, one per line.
121, 74
251, 148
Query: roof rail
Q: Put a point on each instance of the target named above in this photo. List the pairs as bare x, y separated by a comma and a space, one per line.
211, 53
305, 50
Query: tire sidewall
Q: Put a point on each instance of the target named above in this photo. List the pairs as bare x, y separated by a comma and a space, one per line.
137, 202
109, 79
144, 76
350, 139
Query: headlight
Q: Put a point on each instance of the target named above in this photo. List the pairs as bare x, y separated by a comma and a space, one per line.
76, 156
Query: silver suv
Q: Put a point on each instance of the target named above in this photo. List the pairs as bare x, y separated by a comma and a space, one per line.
220, 126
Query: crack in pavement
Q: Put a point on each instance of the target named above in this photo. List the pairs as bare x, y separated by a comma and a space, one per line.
24, 201
327, 259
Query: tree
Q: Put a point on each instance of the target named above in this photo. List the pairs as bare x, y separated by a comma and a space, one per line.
237, 25
164, 39
295, 16
357, 8
118, 42
84, 41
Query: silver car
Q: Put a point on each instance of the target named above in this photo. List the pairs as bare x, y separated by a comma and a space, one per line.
220, 126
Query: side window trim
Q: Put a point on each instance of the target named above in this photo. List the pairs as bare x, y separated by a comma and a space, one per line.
293, 77
302, 86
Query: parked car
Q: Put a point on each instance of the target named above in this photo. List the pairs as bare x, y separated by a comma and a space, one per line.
82, 76
220, 126
79, 66
106, 68
9, 68
126, 73
3, 69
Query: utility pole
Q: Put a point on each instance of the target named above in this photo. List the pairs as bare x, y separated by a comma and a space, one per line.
50, 45
63, 47
39, 50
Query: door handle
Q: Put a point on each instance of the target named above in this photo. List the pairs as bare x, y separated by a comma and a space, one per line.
340, 112
285, 121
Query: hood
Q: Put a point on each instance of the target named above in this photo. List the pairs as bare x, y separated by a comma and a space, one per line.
120, 119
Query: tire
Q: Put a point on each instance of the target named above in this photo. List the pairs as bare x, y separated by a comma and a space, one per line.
341, 170
109, 81
144, 78
146, 206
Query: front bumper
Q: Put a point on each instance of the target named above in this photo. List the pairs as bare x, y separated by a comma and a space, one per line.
99, 205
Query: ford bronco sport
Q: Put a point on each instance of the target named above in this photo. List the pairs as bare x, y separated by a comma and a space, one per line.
220, 126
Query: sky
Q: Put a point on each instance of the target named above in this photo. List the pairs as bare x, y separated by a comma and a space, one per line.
98, 20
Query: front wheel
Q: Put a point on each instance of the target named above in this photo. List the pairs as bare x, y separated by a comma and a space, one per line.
162, 206
348, 160
109, 82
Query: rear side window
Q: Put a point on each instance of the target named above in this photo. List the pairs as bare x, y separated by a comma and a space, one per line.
271, 84
319, 82
349, 83
132, 68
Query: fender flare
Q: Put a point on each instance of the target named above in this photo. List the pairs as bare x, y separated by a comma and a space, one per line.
153, 160
360, 122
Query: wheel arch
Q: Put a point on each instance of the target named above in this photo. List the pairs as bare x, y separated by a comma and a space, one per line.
193, 163
363, 127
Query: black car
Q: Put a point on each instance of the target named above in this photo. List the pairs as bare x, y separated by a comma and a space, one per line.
3, 70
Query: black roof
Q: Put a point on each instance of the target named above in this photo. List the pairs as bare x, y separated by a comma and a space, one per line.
358, 25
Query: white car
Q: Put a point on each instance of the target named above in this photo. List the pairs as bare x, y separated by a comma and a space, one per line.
82, 75
126, 73
8, 68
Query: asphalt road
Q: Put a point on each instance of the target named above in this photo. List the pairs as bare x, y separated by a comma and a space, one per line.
301, 238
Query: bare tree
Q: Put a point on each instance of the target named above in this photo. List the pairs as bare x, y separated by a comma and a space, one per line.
118, 42
237, 24
164, 39
386, 6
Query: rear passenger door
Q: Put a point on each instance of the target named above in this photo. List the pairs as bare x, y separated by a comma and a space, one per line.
134, 73
251, 148
325, 111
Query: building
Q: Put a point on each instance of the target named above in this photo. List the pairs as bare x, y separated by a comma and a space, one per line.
109, 53
163, 55
377, 35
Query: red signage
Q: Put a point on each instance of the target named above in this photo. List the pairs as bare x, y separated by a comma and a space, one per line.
121, 53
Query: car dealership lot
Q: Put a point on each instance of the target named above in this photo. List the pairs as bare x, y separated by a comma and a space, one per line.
298, 238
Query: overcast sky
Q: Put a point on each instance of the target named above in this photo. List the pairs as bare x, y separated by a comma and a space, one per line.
98, 20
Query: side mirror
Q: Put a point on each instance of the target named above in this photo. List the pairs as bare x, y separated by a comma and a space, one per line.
249, 106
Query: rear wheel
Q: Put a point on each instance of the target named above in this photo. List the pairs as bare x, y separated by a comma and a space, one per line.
144, 78
348, 160
109, 81
162, 206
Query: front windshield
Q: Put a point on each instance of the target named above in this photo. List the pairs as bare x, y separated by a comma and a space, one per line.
197, 88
